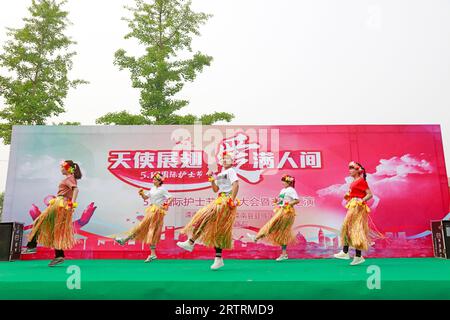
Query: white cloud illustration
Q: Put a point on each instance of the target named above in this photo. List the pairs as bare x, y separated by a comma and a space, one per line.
390, 170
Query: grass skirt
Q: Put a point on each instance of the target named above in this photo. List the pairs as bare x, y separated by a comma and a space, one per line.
149, 229
356, 231
213, 224
278, 230
53, 227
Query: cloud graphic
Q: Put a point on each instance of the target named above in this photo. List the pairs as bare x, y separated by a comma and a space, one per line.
395, 169
48, 167
401, 167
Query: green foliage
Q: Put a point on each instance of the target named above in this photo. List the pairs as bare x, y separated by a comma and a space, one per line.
37, 60
165, 28
68, 123
122, 118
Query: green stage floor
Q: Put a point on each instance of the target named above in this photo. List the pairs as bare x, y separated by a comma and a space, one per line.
239, 279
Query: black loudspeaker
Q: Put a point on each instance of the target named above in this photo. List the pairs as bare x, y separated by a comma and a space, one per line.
11, 234
441, 238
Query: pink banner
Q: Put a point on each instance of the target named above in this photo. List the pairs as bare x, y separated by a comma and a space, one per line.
405, 166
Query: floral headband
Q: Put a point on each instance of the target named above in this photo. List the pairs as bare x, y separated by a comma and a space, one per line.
228, 155
67, 167
355, 166
288, 178
158, 176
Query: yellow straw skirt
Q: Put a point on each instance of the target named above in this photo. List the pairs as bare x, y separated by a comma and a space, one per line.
278, 230
212, 225
355, 230
149, 229
54, 226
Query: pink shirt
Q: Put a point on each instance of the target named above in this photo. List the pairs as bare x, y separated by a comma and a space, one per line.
66, 186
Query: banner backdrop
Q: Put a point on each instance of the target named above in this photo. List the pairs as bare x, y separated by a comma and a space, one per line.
405, 166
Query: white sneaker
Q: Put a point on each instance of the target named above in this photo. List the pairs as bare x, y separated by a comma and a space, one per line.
150, 258
357, 260
282, 257
218, 263
186, 245
28, 251
121, 241
342, 255
251, 237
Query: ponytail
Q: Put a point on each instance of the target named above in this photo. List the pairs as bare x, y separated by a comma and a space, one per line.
363, 170
77, 171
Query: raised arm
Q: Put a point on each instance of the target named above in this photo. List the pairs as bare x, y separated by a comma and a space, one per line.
142, 194
213, 181
234, 190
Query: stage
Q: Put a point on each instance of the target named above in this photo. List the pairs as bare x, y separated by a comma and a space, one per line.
409, 278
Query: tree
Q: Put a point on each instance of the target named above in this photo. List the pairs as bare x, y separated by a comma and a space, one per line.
165, 28
67, 123
38, 59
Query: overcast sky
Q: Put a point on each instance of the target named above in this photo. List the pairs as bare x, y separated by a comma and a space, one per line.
280, 62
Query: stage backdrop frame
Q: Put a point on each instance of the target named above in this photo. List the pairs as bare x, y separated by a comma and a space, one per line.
405, 163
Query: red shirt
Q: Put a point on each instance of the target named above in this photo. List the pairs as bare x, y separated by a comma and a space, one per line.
66, 186
358, 188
